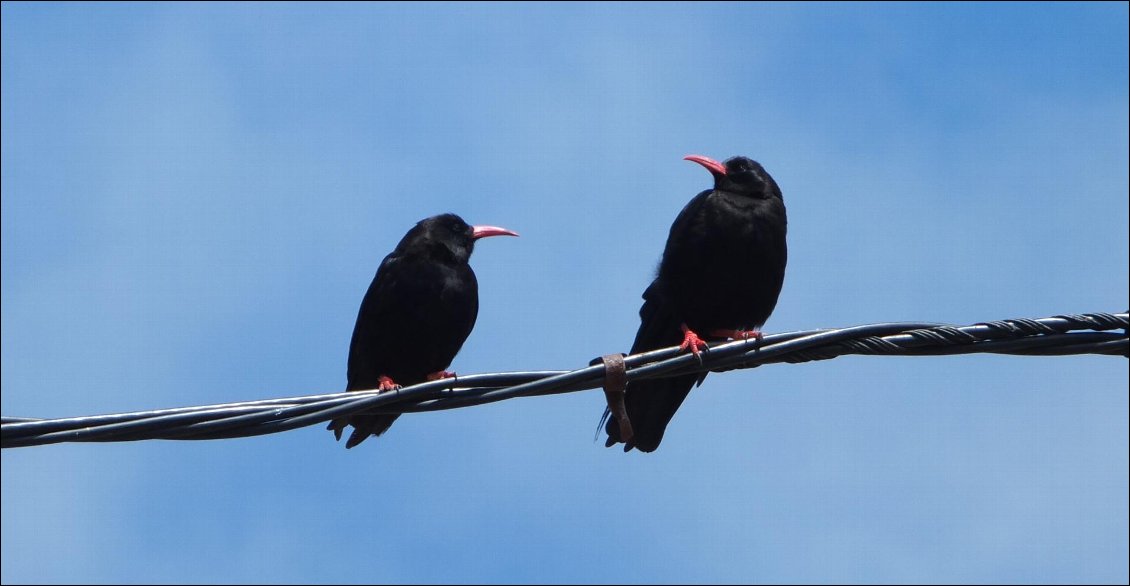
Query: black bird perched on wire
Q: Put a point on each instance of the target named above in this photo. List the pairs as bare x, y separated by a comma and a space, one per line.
418, 311
720, 275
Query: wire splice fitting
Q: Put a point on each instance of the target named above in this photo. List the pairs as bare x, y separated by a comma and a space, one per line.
615, 381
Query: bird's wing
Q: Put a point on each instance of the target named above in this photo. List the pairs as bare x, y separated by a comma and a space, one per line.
376, 308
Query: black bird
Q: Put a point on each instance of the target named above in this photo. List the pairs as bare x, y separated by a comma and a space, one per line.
720, 275
418, 311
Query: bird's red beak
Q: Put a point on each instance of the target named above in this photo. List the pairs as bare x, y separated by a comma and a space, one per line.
711, 165
487, 231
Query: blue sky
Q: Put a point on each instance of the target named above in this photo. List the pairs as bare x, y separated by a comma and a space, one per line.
196, 197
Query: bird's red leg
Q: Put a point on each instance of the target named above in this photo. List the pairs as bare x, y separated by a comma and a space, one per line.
692, 341
440, 374
739, 334
386, 384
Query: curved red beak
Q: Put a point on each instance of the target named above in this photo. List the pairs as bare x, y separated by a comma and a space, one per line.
711, 165
487, 231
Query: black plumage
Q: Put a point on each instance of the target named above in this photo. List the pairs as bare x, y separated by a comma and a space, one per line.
720, 275
418, 311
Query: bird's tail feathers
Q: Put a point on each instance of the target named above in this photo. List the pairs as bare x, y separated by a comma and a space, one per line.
364, 425
651, 406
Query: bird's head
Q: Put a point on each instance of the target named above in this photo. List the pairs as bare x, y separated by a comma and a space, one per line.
740, 175
448, 235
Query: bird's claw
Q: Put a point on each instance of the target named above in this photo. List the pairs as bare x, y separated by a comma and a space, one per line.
739, 334
439, 374
693, 342
386, 384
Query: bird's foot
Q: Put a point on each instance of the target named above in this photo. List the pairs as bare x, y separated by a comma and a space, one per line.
739, 334
440, 374
692, 341
386, 384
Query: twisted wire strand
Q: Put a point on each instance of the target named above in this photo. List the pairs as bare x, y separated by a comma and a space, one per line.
1060, 335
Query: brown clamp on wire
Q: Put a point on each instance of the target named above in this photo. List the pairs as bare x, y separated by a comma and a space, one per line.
615, 381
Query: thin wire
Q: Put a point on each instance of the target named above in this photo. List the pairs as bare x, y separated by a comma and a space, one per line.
1061, 335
